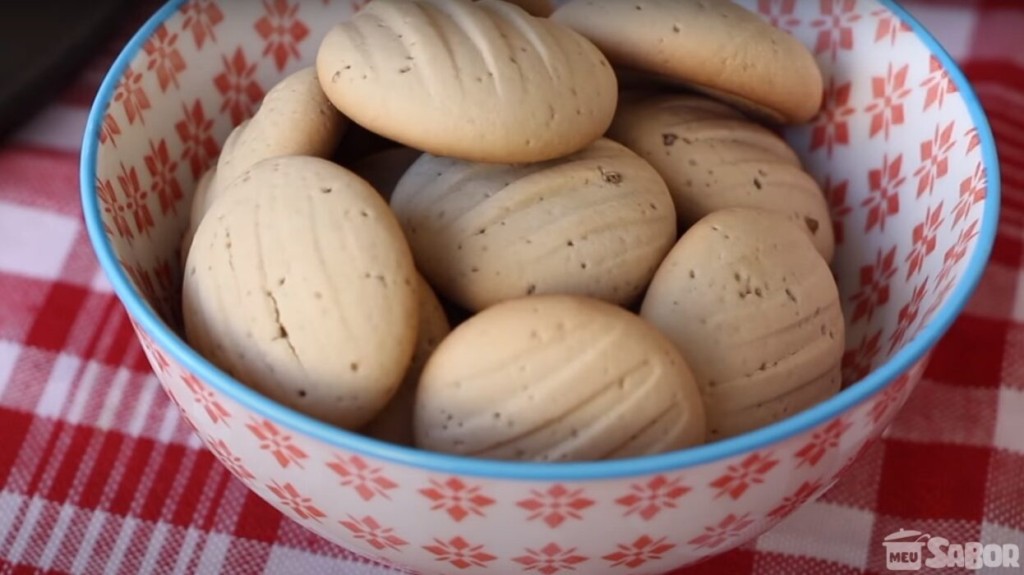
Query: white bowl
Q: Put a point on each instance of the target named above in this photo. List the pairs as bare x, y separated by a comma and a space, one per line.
901, 147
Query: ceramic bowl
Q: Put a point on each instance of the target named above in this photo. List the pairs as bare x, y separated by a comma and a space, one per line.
901, 147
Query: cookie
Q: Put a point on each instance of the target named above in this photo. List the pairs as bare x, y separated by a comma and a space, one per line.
756, 312
480, 81
596, 223
712, 158
300, 284
294, 118
557, 378
394, 422
715, 46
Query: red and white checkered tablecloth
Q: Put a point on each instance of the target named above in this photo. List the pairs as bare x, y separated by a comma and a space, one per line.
98, 474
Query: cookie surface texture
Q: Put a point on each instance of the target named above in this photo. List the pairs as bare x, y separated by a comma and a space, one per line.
481, 81
302, 286
596, 223
714, 45
713, 158
557, 378
756, 313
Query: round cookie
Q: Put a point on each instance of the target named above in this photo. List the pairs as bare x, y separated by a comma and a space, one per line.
557, 378
383, 170
747, 300
481, 81
394, 422
717, 46
294, 118
712, 158
596, 223
300, 284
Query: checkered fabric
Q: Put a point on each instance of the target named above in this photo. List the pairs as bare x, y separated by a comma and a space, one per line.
99, 474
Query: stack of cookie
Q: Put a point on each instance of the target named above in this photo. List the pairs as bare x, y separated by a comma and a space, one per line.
644, 267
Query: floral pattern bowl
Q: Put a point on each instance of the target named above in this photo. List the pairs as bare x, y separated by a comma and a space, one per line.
901, 147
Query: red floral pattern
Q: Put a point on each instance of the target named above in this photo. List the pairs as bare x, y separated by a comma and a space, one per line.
973, 191
195, 131
888, 400
135, 196
822, 441
925, 237
132, 97
740, 477
791, 503
456, 498
109, 130
884, 200
279, 444
779, 13
369, 482
726, 530
835, 27
938, 85
227, 457
832, 124
300, 505
162, 168
282, 30
201, 17
164, 57
889, 92
369, 530
114, 209
889, 26
908, 316
550, 560
555, 505
640, 552
207, 399
650, 498
836, 194
237, 84
934, 159
460, 553
874, 285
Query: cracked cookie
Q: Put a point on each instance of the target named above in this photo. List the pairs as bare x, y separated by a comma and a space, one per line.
300, 284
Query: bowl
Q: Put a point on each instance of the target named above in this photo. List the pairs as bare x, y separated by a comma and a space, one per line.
901, 147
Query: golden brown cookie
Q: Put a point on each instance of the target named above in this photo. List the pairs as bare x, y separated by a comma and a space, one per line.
713, 45
481, 81
755, 311
300, 284
596, 223
712, 158
557, 378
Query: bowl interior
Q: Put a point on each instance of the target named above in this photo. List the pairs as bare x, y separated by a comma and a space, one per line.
901, 148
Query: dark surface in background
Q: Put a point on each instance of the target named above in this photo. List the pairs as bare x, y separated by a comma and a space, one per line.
43, 44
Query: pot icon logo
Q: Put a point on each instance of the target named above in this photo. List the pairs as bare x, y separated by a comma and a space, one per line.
903, 550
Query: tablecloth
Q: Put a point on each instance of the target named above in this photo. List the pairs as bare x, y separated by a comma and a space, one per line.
99, 474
